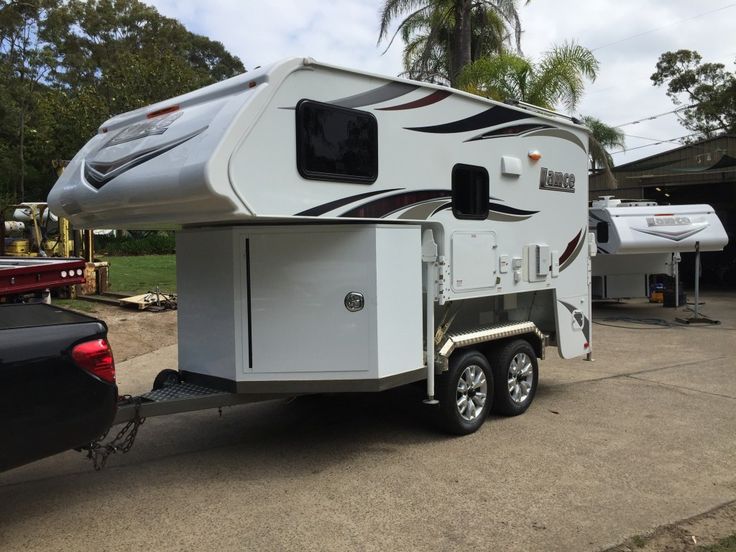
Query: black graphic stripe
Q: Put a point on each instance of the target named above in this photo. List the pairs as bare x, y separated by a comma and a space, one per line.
495, 208
249, 304
586, 322
434, 97
327, 207
559, 133
383, 206
506, 210
383, 93
496, 115
514, 130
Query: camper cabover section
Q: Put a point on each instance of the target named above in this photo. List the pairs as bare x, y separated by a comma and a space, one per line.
638, 239
340, 230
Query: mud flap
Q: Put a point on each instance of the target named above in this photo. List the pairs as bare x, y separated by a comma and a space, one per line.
573, 326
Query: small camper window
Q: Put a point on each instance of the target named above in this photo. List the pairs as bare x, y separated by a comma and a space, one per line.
469, 192
336, 143
601, 232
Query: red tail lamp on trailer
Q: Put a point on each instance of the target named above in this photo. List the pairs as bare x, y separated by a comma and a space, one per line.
96, 357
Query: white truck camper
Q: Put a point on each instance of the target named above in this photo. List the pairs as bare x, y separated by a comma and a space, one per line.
342, 231
638, 239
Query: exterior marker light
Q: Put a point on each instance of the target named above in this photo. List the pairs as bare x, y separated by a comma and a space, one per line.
534, 155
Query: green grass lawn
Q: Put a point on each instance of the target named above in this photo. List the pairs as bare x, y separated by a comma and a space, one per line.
143, 273
75, 304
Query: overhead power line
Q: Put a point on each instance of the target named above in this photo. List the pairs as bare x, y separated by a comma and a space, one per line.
660, 142
676, 22
652, 139
658, 115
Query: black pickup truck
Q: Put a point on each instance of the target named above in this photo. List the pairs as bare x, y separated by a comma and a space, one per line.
57, 382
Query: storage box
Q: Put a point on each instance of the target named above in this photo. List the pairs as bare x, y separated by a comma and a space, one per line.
277, 308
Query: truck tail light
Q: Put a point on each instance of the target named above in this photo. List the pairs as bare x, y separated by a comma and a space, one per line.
96, 357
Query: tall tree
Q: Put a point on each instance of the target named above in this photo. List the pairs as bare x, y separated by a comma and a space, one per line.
67, 65
707, 90
133, 55
23, 64
444, 36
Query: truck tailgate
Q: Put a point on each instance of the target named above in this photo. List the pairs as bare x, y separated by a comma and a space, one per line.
48, 404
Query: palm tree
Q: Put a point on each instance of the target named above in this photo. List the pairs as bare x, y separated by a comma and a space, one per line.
444, 36
558, 78
603, 137
428, 51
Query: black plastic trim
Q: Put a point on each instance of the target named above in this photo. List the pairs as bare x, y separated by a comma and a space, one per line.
292, 387
250, 310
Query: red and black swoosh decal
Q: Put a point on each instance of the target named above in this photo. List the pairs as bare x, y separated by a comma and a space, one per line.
494, 116
383, 93
515, 130
497, 208
572, 250
327, 207
434, 97
383, 206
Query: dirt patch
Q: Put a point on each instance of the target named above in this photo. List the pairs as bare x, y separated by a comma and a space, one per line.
690, 535
132, 332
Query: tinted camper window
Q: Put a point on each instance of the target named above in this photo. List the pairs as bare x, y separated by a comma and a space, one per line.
601, 232
336, 143
469, 192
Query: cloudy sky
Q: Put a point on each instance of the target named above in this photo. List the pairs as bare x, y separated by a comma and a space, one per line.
627, 37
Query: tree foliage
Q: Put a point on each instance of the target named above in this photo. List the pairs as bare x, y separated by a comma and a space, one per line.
707, 89
68, 65
558, 78
602, 138
441, 37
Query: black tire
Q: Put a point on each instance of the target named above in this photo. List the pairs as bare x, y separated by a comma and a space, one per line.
464, 419
165, 378
506, 362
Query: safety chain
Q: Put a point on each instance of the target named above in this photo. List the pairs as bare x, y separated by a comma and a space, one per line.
99, 452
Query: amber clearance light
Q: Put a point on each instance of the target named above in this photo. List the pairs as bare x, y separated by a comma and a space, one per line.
535, 155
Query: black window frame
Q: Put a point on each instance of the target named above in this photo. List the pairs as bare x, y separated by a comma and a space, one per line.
301, 144
485, 192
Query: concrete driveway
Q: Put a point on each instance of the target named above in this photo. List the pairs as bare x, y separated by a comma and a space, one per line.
644, 435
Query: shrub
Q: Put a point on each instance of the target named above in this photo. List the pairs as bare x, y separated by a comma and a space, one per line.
138, 243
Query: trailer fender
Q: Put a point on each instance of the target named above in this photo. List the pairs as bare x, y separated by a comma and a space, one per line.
527, 330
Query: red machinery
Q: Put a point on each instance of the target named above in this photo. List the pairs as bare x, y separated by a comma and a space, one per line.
20, 275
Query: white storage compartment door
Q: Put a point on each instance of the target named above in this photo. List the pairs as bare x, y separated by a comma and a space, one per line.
473, 261
299, 323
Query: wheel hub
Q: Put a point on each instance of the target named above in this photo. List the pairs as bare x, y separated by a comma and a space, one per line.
520, 378
472, 391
